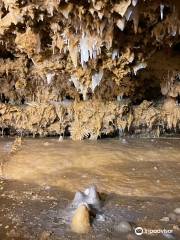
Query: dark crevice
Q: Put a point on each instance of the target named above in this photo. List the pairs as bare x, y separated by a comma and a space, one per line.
176, 47
3, 98
5, 54
113, 134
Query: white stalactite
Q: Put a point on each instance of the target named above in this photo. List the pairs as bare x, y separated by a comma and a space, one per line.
96, 79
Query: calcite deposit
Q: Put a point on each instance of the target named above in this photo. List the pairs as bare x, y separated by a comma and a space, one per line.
89, 68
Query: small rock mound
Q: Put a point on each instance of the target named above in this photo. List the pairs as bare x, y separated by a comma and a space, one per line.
89, 196
83, 205
123, 227
81, 220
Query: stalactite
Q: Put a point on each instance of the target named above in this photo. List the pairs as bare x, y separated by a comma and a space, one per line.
86, 60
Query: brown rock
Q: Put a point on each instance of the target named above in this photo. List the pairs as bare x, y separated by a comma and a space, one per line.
81, 220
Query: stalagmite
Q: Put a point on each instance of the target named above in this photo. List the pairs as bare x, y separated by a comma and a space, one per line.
81, 220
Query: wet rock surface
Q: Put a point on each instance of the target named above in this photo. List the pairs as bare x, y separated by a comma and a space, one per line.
30, 212
32, 209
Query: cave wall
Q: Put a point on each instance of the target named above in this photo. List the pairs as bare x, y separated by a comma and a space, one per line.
89, 68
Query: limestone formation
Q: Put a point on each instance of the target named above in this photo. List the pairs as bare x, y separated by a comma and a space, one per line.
81, 220
89, 196
88, 69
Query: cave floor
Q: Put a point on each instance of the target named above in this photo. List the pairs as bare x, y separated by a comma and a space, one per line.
139, 180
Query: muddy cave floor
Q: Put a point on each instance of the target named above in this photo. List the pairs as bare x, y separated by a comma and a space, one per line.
139, 179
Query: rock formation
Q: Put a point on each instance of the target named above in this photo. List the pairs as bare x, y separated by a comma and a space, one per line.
84, 203
89, 68
81, 220
89, 196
